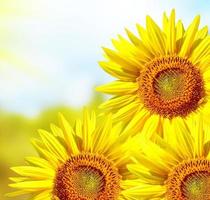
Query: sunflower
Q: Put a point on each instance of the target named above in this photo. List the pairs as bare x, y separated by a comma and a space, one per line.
172, 169
87, 162
161, 75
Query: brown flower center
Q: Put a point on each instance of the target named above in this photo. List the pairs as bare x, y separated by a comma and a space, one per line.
87, 177
189, 180
171, 86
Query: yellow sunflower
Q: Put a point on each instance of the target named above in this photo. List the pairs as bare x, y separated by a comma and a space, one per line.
162, 74
172, 169
87, 162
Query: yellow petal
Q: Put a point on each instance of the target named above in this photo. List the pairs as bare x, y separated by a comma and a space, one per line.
172, 34
189, 37
119, 87
69, 135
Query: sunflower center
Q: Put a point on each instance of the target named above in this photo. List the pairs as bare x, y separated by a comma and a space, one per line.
189, 180
196, 185
171, 86
87, 181
87, 177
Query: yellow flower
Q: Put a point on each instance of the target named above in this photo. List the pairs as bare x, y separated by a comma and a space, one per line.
161, 75
85, 163
172, 169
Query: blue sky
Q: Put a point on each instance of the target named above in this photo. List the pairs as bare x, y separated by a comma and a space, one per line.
56, 45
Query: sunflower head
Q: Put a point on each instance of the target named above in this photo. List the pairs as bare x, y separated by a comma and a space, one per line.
189, 180
162, 72
175, 168
86, 162
87, 176
171, 86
